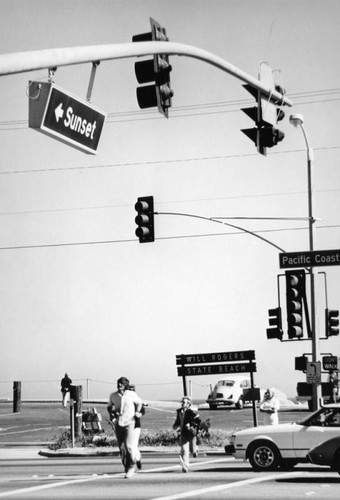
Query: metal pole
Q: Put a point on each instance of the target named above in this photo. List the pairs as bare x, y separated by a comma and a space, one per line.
315, 340
21, 62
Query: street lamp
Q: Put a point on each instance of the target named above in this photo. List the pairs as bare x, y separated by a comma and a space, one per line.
297, 120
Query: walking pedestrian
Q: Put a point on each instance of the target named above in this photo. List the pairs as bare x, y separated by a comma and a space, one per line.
123, 407
65, 383
136, 436
187, 423
270, 406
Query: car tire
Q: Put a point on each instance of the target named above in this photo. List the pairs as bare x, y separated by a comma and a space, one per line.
212, 406
264, 456
240, 404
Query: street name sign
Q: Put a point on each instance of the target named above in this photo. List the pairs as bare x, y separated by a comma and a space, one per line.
183, 371
214, 357
313, 372
310, 259
330, 363
67, 118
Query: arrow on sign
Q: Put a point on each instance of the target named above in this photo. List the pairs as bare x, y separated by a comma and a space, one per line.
59, 112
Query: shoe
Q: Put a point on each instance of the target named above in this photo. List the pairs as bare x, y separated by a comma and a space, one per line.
130, 473
183, 464
139, 464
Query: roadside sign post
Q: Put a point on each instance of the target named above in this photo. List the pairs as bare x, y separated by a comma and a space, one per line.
235, 362
313, 372
64, 117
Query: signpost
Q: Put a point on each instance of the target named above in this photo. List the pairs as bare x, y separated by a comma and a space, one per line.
313, 372
69, 119
310, 259
222, 362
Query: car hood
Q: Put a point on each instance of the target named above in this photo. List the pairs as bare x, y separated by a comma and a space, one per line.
268, 429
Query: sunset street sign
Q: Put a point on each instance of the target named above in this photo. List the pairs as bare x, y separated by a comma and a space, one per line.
66, 118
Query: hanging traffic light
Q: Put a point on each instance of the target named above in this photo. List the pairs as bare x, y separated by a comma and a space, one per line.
275, 320
145, 219
266, 114
295, 295
332, 322
155, 70
301, 363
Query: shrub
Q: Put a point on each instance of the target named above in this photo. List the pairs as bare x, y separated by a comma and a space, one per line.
161, 437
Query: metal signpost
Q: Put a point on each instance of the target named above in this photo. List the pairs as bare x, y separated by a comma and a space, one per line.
313, 372
222, 362
69, 119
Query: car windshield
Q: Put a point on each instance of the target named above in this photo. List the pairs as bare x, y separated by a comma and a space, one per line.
328, 417
228, 383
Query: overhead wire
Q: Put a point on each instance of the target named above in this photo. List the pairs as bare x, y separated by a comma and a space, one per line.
177, 111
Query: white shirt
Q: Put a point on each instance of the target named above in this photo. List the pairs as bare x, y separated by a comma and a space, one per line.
124, 406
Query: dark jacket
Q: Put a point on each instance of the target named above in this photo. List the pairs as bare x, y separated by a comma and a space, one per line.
66, 383
191, 422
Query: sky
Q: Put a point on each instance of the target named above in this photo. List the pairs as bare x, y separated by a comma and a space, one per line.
78, 292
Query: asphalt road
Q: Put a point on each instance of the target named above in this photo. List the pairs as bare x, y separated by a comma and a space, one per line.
213, 475
209, 478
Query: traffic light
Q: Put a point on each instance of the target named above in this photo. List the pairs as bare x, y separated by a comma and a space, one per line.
295, 295
145, 219
275, 320
332, 322
155, 70
266, 114
301, 363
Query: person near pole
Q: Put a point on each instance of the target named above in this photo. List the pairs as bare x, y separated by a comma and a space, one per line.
333, 379
65, 383
187, 424
270, 406
123, 407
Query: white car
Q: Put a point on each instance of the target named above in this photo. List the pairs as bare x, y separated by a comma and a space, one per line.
268, 447
229, 391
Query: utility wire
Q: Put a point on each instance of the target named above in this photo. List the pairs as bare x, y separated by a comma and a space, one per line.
116, 117
134, 240
160, 162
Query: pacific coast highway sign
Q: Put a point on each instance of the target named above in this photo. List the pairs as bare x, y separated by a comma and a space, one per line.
66, 118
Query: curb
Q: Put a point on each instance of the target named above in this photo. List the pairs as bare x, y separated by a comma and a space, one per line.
95, 452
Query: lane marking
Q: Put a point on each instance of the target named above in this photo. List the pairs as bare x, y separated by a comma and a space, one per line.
222, 487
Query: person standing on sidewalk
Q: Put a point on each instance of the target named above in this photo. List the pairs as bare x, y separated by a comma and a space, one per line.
270, 406
65, 383
187, 423
123, 407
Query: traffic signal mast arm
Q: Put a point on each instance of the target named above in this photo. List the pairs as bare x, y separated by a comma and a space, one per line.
21, 62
